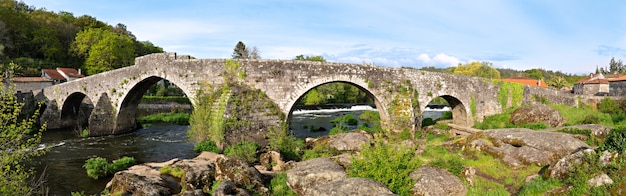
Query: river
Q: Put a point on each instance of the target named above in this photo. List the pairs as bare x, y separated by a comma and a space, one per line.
68, 152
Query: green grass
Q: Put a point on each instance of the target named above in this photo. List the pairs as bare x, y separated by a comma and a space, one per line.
278, 185
175, 118
583, 115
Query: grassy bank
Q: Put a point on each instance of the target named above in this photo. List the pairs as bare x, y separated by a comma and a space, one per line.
175, 118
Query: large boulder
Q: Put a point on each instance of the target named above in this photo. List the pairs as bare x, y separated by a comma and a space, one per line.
310, 173
538, 113
142, 180
561, 168
241, 173
350, 187
434, 181
522, 147
199, 173
349, 141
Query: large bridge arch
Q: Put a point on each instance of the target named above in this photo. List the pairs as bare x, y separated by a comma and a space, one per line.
460, 114
357, 82
132, 97
76, 109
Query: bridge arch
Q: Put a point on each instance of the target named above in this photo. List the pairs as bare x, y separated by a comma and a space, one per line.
459, 110
130, 101
356, 82
76, 110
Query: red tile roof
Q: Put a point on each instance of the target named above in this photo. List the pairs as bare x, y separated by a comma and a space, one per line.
617, 78
71, 72
527, 81
53, 74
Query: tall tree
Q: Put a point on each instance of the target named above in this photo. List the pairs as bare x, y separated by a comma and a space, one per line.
104, 50
242, 52
17, 146
482, 69
534, 74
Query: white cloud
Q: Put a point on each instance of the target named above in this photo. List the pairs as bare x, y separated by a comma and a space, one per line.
442, 58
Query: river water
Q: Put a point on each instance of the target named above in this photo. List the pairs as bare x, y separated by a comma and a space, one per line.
160, 142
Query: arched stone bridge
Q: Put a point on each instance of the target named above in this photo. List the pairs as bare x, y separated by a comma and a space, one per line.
400, 94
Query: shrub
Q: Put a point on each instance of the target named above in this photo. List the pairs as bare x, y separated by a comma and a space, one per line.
208, 146
590, 119
428, 122
387, 163
96, 167
278, 185
608, 105
350, 120
288, 145
616, 140
337, 130
244, 150
172, 171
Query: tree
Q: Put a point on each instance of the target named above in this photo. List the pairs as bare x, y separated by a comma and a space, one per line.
241, 52
534, 74
482, 69
17, 146
616, 66
557, 82
104, 49
317, 58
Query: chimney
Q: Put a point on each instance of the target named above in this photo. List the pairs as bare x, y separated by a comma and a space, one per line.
79, 71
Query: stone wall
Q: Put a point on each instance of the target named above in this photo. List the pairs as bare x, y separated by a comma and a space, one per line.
617, 88
534, 94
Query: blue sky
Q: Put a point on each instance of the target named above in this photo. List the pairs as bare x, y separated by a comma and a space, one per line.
569, 36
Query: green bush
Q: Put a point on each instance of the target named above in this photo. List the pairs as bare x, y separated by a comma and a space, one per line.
289, 146
427, 122
590, 119
208, 146
278, 185
608, 105
350, 120
97, 167
387, 163
244, 150
616, 140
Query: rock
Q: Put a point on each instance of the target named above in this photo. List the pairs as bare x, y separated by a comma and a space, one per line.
598, 131
227, 188
522, 147
607, 157
239, 172
162, 164
538, 113
349, 187
434, 181
197, 192
531, 178
599, 180
343, 159
469, 173
349, 141
209, 156
270, 157
199, 173
561, 168
310, 173
142, 180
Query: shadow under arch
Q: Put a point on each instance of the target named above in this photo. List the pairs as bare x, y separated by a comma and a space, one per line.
369, 94
459, 113
76, 110
128, 108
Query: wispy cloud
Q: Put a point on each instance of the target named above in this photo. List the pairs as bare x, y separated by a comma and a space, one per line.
605, 50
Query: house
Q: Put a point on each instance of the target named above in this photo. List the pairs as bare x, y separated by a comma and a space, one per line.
594, 84
526, 81
617, 84
28, 84
60, 75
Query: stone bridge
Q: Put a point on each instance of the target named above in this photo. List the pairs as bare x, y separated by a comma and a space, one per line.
400, 94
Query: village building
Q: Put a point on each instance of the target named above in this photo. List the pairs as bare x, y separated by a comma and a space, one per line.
60, 75
617, 84
594, 84
28, 84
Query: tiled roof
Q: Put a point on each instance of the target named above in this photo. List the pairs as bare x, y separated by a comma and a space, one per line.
71, 72
526, 81
30, 79
617, 78
597, 81
53, 74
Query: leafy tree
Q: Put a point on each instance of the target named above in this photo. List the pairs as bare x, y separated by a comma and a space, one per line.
313, 98
17, 146
310, 58
104, 49
241, 52
534, 74
482, 69
558, 82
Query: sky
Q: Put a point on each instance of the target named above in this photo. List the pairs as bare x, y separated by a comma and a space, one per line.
571, 36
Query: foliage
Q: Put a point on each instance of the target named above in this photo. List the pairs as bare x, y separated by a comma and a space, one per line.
534, 74
446, 115
473, 105
583, 115
558, 82
278, 185
317, 58
478, 69
427, 122
241, 52
387, 163
495, 121
514, 91
335, 92
16, 145
371, 120
244, 150
339, 124
616, 140
98, 167
289, 146
539, 186
320, 150
176, 118
165, 99
206, 122
103, 49
208, 146
535, 126
172, 171
450, 164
